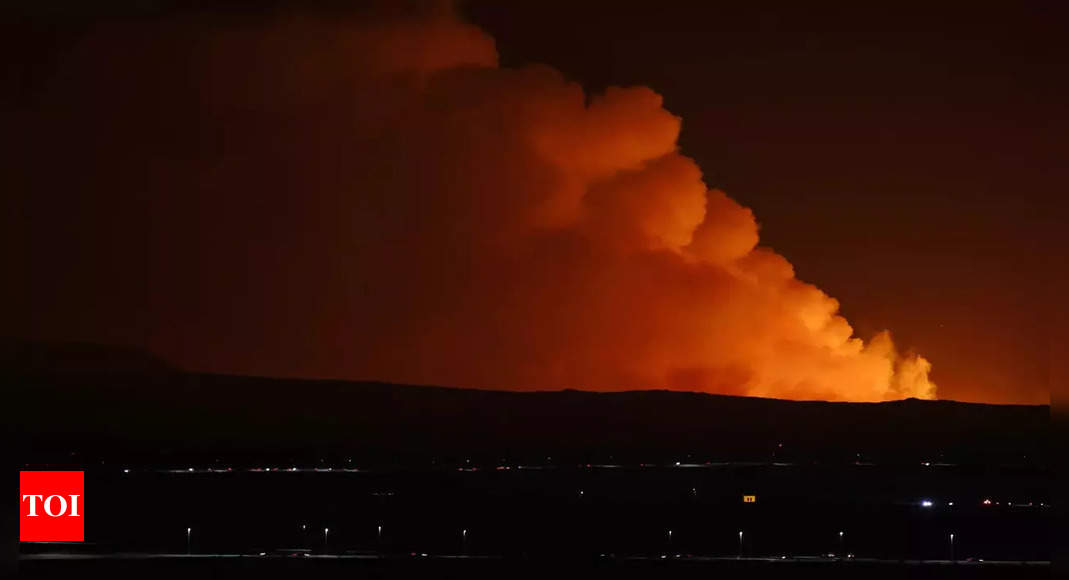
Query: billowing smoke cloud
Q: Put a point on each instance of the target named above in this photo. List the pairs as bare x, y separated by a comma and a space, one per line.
297, 196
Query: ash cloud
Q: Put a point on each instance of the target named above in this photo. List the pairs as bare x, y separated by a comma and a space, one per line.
378, 199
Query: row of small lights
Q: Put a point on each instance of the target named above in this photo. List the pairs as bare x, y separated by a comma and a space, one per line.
549, 459
927, 503
469, 467
464, 539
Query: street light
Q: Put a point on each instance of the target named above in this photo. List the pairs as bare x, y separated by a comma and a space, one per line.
326, 535
669, 538
952, 547
740, 543
464, 541
841, 553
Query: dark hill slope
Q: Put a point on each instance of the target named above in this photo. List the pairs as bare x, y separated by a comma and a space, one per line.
150, 409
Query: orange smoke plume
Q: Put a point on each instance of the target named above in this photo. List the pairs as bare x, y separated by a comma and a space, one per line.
383, 201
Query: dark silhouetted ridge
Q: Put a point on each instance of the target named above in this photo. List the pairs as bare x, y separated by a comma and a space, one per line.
152, 411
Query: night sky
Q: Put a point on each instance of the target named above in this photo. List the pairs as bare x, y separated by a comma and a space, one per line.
907, 162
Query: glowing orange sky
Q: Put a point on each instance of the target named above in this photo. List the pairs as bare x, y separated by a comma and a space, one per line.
382, 200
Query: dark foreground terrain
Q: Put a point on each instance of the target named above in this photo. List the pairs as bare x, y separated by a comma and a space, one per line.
222, 476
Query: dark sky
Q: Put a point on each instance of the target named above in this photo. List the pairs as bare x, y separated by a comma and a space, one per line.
909, 161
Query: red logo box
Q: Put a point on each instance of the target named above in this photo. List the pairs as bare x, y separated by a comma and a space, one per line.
52, 506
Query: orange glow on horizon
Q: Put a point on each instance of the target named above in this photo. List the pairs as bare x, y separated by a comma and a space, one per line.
386, 202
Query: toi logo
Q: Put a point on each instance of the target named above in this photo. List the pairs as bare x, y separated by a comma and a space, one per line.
52, 506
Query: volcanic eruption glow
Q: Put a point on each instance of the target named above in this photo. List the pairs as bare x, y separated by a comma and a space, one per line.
383, 201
